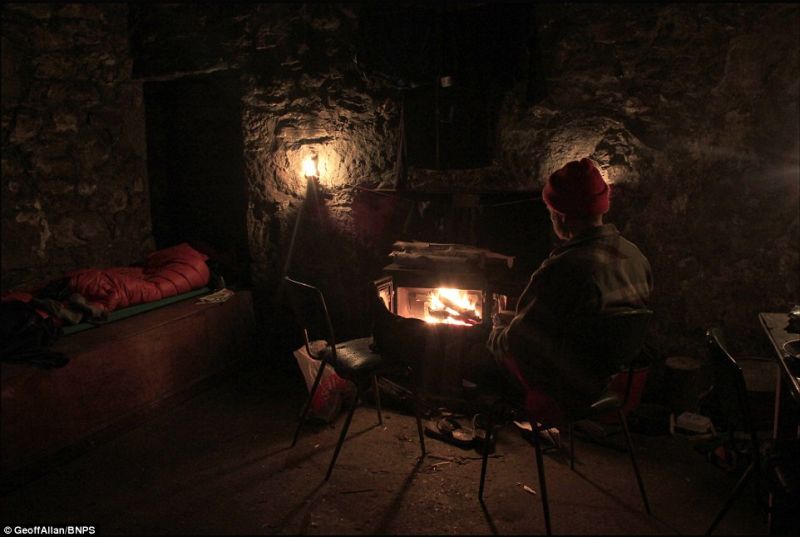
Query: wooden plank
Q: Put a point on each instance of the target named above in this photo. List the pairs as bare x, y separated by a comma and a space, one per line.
117, 370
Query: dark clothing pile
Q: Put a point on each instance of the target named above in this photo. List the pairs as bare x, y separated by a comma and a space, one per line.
26, 336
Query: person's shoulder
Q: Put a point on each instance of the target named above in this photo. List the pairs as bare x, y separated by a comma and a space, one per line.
630, 247
572, 263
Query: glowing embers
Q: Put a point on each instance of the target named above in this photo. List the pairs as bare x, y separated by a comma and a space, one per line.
441, 305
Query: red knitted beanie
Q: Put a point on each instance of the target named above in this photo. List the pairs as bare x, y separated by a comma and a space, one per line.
577, 189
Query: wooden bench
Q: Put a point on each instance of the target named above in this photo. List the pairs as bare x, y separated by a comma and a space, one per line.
116, 372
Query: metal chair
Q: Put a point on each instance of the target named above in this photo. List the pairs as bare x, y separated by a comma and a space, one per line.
612, 342
353, 360
780, 469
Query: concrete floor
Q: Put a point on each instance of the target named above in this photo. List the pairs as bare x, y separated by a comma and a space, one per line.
219, 463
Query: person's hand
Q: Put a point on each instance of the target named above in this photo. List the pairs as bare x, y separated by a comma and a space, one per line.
497, 322
502, 318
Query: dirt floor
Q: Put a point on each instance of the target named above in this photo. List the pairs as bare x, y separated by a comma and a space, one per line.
220, 463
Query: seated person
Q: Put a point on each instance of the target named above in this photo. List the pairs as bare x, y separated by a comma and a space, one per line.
594, 271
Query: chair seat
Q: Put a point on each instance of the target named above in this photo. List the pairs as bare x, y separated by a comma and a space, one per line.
353, 358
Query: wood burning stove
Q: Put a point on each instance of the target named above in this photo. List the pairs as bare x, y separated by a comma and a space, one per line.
453, 287
444, 283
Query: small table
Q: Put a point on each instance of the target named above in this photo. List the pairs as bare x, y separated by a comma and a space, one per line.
786, 424
787, 386
787, 383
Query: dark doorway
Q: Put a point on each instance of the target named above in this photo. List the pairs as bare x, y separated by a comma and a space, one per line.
195, 163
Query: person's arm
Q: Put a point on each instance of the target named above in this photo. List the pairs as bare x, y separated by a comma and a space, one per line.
506, 328
555, 295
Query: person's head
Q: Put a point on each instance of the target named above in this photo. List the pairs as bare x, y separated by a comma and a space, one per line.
577, 198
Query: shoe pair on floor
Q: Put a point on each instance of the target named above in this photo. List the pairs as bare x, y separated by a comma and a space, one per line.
459, 431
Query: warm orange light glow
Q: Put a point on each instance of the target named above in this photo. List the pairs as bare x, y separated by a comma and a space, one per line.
452, 306
310, 166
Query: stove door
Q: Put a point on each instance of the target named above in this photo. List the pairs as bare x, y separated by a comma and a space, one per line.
385, 288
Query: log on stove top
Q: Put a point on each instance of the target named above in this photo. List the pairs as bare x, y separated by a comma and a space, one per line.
441, 256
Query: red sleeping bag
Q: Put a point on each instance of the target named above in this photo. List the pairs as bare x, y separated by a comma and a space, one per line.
168, 272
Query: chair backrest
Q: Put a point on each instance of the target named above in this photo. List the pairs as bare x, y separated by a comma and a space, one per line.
311, 313
610, 342
613, 340
729, 385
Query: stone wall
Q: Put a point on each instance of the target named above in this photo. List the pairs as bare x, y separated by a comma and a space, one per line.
693, 112
318, 103
74, 171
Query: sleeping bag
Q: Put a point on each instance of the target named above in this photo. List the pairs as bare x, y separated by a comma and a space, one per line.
168, 272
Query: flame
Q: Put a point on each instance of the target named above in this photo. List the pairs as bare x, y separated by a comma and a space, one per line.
452, 306
310, 166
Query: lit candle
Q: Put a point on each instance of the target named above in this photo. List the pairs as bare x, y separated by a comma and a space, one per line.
310, 166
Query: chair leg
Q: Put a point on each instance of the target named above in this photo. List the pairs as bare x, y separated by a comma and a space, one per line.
485, 456
540, 468
377, 398
571, 430
729, 502
307, 405
415, 404
343, 434
624, 422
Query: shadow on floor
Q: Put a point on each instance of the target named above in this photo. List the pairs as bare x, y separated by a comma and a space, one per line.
219, 463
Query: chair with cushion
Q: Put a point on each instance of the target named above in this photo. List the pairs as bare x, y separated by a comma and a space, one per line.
778, 470
353, 360
613, 342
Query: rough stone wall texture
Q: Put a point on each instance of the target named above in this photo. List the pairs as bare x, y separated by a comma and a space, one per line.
693, 111
303, 95
74, 171
317, 103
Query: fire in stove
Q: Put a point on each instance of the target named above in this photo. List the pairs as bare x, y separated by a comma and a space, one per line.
441, 305
453, 306
452, 284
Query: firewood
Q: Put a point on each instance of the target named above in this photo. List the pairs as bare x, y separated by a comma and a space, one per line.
464, 312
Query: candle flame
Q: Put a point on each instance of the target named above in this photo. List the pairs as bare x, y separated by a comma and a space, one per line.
310, 166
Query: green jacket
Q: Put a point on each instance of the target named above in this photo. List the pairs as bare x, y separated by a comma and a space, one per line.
597, 271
